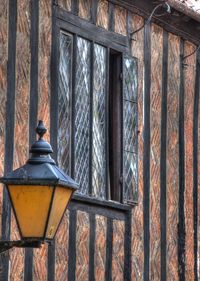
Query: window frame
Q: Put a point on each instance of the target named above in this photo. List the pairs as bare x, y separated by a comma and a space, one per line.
70, 24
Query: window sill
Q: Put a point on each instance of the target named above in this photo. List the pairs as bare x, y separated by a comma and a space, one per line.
109, 204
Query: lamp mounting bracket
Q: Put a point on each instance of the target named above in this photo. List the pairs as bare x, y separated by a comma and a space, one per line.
7, 245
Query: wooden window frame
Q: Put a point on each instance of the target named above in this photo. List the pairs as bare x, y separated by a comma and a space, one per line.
66, 22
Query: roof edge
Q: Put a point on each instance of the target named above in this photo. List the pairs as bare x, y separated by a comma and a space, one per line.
184, 9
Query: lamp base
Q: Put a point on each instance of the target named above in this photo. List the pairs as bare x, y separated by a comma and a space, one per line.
7, 245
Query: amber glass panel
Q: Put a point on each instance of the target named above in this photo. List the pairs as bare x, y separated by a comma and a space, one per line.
31, 204
60, 201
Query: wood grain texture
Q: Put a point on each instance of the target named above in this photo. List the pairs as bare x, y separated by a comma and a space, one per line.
156, 94
21, 129
62, 239
120, 15
82, 246
40, 263
3, 87
137, 213
102, 14
100, 248
189, 75
65, 4
44, 63
118, 250
173, 157
85, 8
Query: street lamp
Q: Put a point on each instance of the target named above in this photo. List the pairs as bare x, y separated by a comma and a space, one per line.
39, 193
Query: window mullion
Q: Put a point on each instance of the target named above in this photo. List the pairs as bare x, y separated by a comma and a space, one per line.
73, 101
107, 125
90, 191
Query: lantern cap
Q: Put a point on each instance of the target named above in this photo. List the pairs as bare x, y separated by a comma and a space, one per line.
40, 169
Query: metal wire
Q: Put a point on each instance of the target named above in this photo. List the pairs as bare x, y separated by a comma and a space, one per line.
195, 51
166, 5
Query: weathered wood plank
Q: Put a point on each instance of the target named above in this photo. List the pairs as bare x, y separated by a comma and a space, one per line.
173, 156
62, 246
156, 94
118, 250
100, 248
189, 81
82, 246
3, 87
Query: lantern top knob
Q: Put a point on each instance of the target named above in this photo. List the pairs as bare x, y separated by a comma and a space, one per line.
41, 149
41, 130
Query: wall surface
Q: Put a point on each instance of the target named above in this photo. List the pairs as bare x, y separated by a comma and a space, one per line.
91, 244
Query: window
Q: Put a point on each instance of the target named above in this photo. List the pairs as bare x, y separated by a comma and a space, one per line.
97, 118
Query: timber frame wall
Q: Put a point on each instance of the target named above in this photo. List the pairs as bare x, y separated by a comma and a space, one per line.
158, 238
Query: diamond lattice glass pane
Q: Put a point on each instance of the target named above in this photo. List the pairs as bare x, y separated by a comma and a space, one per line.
130, 126
130, 79
130, 176
64, 92
82, 114
99, 109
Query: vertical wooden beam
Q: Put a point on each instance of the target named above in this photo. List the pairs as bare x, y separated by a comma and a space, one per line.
163, 218
195, 165
181, 223
127, 247
33, 105
94, 11
92, 247
75, 7
109, 250
9, 132
111, 24
146, 157
72, 246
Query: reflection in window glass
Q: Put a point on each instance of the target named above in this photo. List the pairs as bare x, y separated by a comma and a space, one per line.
82, 115
130, 130
99, 122
64, 106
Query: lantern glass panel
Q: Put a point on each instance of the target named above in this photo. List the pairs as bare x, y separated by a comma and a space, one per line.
61, 198
31, 204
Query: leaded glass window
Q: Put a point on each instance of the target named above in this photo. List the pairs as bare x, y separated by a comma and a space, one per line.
130, 130
64, 103
83, 117
99, 123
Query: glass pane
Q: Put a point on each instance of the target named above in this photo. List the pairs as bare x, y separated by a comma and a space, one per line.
99, 122
31, 205
130, 79
130, 176
130, 126
64, 106
59, 204
82, 115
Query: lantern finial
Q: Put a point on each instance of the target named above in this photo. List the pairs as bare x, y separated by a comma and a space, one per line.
41, 130
41, 149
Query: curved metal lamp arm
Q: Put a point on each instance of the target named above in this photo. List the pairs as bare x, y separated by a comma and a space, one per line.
7, 245
164, 5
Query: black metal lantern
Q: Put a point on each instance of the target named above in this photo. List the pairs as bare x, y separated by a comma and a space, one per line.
39, 192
